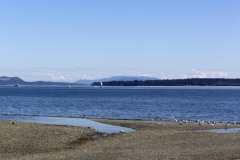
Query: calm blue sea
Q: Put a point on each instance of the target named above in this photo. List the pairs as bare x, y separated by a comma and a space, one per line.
145, 103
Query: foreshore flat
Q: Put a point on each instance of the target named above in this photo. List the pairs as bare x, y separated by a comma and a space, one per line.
151, 140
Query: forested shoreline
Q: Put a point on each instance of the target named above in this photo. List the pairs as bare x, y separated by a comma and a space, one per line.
175, 82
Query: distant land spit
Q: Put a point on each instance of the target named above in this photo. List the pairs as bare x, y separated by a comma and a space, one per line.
175, 82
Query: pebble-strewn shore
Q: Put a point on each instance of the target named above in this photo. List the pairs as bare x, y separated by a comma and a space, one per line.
151, 140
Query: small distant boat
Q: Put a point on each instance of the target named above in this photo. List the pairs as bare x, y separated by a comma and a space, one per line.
69, 86
101, 84
17, 85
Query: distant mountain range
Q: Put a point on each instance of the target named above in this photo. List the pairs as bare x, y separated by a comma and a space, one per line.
4, 80
18, 81
116, 78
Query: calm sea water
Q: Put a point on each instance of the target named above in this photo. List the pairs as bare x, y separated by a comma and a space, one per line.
145, 103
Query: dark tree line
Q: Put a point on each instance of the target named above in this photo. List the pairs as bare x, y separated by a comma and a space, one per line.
175, 82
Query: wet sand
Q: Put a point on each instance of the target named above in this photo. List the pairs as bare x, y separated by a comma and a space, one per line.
151, 140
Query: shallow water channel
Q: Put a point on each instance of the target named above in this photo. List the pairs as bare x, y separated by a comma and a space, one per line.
100, 127
226, 130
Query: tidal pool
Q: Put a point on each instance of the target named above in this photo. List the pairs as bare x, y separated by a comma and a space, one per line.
100, 127
226, 130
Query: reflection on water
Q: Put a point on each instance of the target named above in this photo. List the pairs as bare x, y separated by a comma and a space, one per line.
100, 127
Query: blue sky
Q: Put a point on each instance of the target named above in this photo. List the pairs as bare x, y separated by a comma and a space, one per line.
67, 40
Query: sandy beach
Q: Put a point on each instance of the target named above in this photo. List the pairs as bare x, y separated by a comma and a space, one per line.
151, 140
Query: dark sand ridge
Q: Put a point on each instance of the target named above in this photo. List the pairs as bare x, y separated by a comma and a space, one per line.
166, 140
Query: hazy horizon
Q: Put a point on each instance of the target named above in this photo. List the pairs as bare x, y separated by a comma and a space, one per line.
56, 75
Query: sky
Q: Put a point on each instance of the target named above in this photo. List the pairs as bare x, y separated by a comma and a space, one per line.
68, 40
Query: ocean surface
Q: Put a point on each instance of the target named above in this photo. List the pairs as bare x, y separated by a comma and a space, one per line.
144, 103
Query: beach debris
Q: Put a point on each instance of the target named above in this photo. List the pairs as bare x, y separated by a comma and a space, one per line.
226, 124
210, 123
12, 122
200, 123
159, 124
122, 131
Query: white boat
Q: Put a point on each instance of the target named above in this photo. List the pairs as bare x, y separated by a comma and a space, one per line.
101, 84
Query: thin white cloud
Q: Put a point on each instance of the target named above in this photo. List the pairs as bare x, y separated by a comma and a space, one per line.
223, 74
57, 77
72, 75
208, 74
